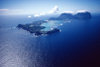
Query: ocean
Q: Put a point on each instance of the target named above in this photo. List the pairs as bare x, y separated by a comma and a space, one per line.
77, 45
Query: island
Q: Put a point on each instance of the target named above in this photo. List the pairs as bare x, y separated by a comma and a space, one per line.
42, 27
37, 28
69, 16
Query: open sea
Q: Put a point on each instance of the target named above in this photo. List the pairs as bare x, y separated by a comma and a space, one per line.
77, 45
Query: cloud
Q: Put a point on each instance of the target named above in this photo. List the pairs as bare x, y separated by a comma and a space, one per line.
72, 12
3, 9
81, 11
38, 15
12, 11
75, 12
55, 9
29, 16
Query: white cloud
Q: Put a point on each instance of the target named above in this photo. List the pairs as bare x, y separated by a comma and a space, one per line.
72, 12
81, 11
55, 9
29, 16
75, 12
38, 15
3, 9
11, 11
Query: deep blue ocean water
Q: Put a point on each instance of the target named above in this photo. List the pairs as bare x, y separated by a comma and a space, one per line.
77, 45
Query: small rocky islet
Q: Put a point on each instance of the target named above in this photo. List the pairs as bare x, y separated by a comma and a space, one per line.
37, 27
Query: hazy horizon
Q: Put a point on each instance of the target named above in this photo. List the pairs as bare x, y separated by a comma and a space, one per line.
17, 7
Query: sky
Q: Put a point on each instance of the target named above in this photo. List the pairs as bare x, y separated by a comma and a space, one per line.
11, 7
